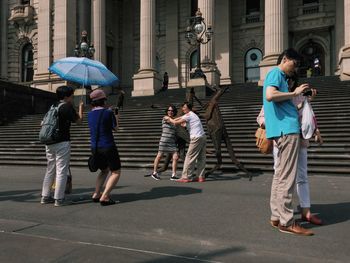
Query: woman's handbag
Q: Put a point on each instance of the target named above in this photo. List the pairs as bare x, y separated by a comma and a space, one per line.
93, 162
264, 145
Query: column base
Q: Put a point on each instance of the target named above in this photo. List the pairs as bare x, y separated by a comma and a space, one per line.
200, 86
344, 63
266, 65
146, 83
213, 76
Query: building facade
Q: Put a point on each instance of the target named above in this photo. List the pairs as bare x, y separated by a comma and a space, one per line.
139, 40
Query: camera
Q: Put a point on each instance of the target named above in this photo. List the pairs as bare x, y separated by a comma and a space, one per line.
307, 93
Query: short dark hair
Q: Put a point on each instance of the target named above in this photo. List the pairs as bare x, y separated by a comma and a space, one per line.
289, 53
189, 105
64, 91
295, 79
98, 103
173, 107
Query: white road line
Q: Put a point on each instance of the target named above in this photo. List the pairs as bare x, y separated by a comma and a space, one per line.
116, 247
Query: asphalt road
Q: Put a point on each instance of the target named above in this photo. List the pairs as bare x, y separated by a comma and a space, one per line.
223, 220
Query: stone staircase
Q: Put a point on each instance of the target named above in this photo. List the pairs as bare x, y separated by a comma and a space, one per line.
139, 132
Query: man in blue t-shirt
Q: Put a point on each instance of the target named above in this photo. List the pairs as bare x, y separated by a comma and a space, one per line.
282, 125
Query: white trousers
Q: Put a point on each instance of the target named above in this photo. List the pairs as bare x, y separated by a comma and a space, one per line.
303, 189
58, 158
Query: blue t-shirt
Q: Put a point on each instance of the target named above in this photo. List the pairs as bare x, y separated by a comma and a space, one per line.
107, 123
281, 118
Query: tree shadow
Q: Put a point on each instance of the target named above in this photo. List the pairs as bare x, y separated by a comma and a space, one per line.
189, 257
156, 193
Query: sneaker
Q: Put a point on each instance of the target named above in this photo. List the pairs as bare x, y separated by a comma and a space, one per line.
174, 178
155, 176
62, 202
295, 229
47, 200
184, 180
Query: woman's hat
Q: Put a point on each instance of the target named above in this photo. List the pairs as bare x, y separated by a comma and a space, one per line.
97, 94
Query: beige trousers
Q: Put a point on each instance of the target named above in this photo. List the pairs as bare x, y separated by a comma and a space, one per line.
283, 182
196, 152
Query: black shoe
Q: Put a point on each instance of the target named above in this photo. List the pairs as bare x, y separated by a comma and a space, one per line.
155, 176
106, 203
174, 178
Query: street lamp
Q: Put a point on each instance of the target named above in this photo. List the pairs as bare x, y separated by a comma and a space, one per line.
84, 48
194, 35
87, 50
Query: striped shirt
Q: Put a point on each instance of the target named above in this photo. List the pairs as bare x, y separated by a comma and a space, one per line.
167, 141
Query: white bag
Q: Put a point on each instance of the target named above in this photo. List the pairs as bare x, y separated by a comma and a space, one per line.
307, 121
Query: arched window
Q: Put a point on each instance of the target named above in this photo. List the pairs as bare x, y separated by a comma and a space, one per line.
252, 61
193, 60
27, 63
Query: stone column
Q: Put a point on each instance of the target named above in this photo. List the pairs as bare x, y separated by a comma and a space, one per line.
147, 81
84, 17
3, 43
222, 38
64, 35
344, 58
276, 34
65, 28
339, 30
99, 29
208, 64
44, 39
172, 43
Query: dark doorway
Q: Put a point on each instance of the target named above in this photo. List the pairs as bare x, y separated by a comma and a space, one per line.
312, 54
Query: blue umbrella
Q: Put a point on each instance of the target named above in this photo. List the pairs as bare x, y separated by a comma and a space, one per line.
84, 71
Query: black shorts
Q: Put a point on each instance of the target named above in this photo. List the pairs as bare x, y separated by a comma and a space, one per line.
108, 157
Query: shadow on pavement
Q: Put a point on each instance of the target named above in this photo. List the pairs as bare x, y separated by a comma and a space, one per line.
20, 195
157, 192
332, 213
205, 257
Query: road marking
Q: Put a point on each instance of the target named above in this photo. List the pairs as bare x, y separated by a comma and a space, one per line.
116, 247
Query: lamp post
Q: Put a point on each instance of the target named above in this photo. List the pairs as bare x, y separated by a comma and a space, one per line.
87, 50
84, 48
195, 33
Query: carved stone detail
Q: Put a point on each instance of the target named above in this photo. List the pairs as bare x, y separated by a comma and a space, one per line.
22, 17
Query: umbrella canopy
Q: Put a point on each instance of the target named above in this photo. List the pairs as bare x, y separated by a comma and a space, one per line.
84, 71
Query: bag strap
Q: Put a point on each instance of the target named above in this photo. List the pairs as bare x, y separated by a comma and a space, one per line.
98, 129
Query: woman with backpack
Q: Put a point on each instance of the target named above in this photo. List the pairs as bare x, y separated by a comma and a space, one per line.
102, 122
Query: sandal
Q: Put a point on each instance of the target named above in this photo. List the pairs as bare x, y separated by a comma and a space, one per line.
95, 199
106, 203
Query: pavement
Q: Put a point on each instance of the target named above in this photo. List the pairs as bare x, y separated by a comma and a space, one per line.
222, 220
